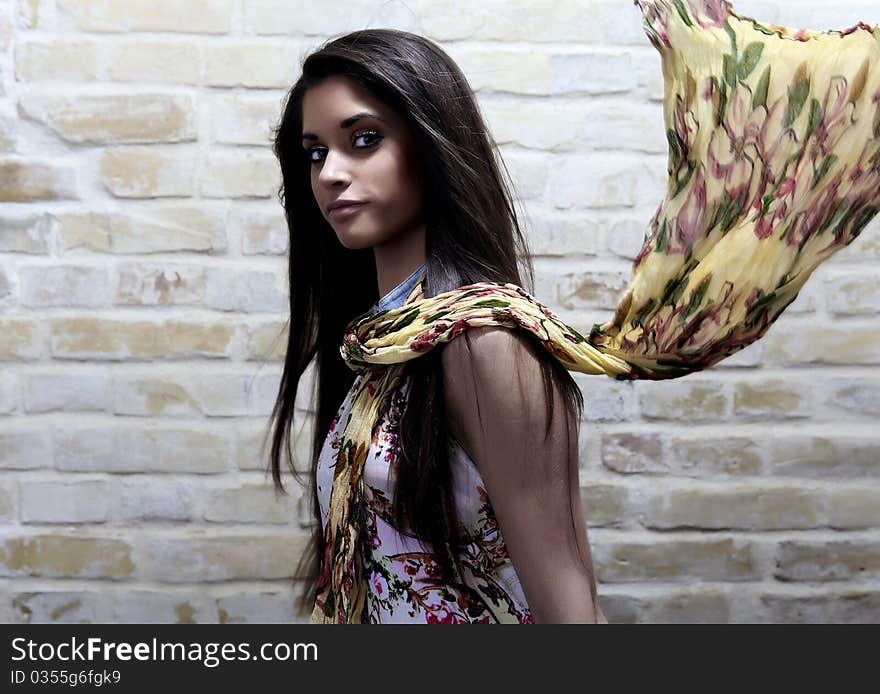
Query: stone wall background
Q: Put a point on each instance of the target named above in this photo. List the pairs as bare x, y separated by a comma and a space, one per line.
142, 318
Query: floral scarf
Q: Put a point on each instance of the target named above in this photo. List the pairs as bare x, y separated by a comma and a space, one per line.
774, 165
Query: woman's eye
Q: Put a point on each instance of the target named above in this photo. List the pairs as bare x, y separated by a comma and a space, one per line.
372, 139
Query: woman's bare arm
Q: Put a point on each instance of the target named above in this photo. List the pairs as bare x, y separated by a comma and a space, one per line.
497, 410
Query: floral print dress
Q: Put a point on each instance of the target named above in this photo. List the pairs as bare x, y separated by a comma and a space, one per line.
403, 576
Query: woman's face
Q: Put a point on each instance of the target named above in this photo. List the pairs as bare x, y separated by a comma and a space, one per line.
371, 159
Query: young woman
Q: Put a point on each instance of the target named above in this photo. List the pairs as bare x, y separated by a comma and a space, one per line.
445, 484
472, 506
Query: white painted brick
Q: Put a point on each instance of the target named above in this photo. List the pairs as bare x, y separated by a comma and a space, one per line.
64, 285
64, 501
65, 392
144, 498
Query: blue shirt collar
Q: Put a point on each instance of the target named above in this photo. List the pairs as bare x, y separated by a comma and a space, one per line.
396, 297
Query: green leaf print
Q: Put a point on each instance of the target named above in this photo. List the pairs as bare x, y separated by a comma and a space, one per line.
439, 314
696, 299
797, 96
683, 13
826, 164
751, 56
729, 69
815, 117
491, 303
760, 98
661, 238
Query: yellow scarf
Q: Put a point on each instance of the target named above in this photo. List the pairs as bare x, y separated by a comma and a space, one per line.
774, 165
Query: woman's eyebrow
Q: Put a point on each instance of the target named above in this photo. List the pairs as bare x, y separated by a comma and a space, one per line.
347, 123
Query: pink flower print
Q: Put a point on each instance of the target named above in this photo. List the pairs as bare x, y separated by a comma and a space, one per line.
732, 149
380, 585
442, 615
837, 112
691, 219
709, 13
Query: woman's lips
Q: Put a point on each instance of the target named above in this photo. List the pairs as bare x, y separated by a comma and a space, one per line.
346, 210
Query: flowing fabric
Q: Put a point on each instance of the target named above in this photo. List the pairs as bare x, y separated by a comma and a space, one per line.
774, 166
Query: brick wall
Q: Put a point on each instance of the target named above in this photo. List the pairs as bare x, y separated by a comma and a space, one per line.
142, 319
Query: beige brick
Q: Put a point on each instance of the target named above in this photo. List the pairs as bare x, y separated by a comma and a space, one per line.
191, 17
65, 555
250, 503
853, 508
175, 606
70, 61
60, 607
859, 395
605, 505
772, 398
27, 180
628, 453
7, 500
64, 501
214, 557
114, 118
240, 174
160, 284
693, 606
155, 397
686, 399
98, 338
827, 560
828, 607
147, 61
140, 172
145, 498
64, 285
22, 338
262, 232
704, 455
265, 340
250, 64
24, 448
840, 455
676, 560
156, 230
232, 289
65, 392
742, 507
25, 235
830, 343
152, 449
853, 294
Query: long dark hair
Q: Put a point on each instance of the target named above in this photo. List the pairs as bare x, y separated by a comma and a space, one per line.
472, 235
